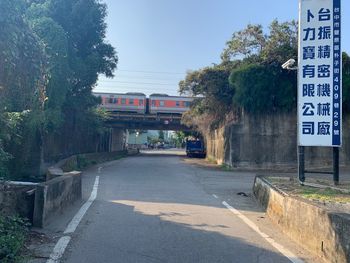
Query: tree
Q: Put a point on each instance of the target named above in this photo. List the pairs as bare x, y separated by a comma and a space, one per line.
272, 88
249, 77
84, 23
161, 135
89, 55
346, 82
55, 41
259, 82
51, 55
252, 44
21, 57
212, 86
21, 61
246, 42
281, 44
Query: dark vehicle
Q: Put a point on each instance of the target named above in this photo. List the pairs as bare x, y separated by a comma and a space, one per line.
195, 148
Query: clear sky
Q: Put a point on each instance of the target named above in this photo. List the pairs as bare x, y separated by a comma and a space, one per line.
159, 40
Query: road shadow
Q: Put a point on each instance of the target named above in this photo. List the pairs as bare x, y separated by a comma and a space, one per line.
166, 177
119, 232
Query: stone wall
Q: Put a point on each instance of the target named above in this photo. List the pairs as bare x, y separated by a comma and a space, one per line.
268, 141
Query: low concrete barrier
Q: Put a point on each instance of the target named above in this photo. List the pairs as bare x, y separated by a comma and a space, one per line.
81, 161
326, 234
53, 196
131, 151
53, 172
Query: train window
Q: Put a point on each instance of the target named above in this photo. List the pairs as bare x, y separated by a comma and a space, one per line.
140, 102
110, 100
178, 104
123, 101
153, 103
115, 101
131, 101
187, 104
161, 103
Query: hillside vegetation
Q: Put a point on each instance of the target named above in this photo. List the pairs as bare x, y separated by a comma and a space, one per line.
51, 55
250, 77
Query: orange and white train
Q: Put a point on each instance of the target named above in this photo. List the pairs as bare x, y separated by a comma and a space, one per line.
139, 103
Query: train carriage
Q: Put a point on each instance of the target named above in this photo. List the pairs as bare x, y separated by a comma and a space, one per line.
123, 102
162, 103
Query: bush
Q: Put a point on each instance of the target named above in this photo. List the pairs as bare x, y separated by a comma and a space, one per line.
264, 88
82, 162
4, 158
13, 234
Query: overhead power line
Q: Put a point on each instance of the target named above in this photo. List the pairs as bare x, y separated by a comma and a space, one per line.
138, 88
134, 87
151, 72
142, 83
145, 77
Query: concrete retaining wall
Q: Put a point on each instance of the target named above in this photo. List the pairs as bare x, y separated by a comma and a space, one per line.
53, 196
324, 233
269, 141
81, 161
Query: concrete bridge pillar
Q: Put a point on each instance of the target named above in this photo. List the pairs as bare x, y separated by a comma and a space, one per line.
117, 140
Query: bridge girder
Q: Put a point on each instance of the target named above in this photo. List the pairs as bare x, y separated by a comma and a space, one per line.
146, 122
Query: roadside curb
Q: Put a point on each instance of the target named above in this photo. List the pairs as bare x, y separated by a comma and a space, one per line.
324, 233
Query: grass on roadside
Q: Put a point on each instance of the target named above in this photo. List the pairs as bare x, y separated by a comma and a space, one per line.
326, 194
13, 234
225, 167
83, 162
211, 160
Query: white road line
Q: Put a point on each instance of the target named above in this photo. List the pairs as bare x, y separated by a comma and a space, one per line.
293, 258
79, 216
59, 249
63, 242
215, 196
99, 169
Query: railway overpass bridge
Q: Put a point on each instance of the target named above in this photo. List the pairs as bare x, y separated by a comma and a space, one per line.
119, 122
146, 121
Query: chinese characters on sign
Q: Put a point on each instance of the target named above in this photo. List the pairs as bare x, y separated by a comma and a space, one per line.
319, 73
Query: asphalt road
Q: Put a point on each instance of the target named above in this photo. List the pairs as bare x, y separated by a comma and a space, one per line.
165, 208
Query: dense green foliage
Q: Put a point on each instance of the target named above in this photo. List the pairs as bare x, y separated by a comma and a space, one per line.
10, 133
250, 76
212, 84
346, 82
13, 234
52, 52
263, 88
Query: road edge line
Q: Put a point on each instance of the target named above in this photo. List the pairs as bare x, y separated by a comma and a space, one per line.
72, 226
63, 242
59, 249
284, 251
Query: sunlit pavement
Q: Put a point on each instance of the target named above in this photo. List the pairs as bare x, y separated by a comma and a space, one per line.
157, 208
173, 151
